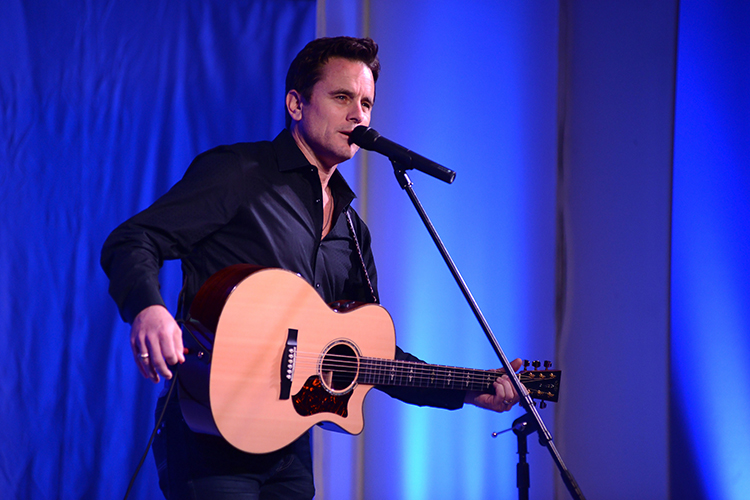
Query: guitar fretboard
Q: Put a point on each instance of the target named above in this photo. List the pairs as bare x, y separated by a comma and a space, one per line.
374, 371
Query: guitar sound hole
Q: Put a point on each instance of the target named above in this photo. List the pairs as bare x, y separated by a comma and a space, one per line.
339, 368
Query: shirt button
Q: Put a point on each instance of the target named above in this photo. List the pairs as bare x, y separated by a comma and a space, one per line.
317, 201
317, 285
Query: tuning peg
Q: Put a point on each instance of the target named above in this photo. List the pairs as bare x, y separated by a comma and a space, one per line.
547, 364
542, 404
526, 364
536, 364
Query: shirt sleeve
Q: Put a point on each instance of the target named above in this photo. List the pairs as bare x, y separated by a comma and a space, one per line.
200, 203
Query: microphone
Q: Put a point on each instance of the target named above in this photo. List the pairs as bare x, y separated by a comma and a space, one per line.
367, 138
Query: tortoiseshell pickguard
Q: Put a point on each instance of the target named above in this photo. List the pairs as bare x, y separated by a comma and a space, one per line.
313, 398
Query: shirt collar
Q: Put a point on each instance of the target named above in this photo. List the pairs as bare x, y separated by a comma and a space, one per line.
290, 157
288, 153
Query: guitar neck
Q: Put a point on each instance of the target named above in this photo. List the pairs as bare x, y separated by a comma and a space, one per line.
375, 371
541, 384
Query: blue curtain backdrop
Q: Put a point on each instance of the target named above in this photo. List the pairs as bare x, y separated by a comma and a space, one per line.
103, 105
711, 254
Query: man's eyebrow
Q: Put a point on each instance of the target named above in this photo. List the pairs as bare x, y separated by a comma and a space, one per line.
344, 91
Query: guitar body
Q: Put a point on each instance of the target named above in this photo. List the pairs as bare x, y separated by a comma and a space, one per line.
268, 376
268, 359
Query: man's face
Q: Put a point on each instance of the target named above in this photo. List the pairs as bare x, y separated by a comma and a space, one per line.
341, 100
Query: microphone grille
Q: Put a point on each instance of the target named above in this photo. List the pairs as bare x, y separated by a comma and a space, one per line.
364, 137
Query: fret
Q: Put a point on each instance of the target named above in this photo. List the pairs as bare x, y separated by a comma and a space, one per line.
375, 371
401, 372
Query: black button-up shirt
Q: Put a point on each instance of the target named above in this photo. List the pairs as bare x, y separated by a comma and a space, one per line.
256, 203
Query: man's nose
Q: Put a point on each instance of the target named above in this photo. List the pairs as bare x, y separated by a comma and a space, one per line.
357, 113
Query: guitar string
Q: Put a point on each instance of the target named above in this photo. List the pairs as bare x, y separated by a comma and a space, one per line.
417, 381
373, 367
379, 378
344, 360
422, 375
474, 384
382, 365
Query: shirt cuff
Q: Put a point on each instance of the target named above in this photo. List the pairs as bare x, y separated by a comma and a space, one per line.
140, 297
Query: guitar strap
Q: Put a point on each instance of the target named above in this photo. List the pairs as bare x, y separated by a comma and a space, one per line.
181, 312
359, 253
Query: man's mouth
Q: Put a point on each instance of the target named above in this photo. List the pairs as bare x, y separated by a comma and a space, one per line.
348, 134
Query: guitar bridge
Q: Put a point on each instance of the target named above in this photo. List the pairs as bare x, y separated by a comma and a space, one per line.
288, 361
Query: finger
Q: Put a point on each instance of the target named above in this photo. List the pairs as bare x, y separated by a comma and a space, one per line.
179, 347
137, 354
171, 344
148, 367
157, 362
510, 394
504, 392
144, 356
516, 364
142, 366
500, 393
144, 359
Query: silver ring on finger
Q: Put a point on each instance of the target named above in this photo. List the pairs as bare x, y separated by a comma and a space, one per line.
143, 356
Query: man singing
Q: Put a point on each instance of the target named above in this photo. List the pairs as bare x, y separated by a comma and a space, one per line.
280, 204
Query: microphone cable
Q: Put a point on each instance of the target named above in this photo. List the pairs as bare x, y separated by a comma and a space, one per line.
153, 435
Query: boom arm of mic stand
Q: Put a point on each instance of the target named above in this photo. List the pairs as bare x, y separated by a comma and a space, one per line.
545, 438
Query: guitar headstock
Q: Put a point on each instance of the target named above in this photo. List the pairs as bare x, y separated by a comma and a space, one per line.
543, 385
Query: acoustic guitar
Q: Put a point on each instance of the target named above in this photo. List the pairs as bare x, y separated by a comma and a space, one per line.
268, 359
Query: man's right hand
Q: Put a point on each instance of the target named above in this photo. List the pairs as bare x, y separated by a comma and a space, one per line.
156, 340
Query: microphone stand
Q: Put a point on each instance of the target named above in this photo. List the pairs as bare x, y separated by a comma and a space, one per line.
545, 438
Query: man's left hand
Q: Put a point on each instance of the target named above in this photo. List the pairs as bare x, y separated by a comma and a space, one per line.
505, 395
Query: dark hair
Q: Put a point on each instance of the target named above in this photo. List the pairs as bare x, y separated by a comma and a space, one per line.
306, 69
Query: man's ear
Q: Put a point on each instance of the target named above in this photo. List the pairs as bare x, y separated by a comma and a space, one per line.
294, 105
